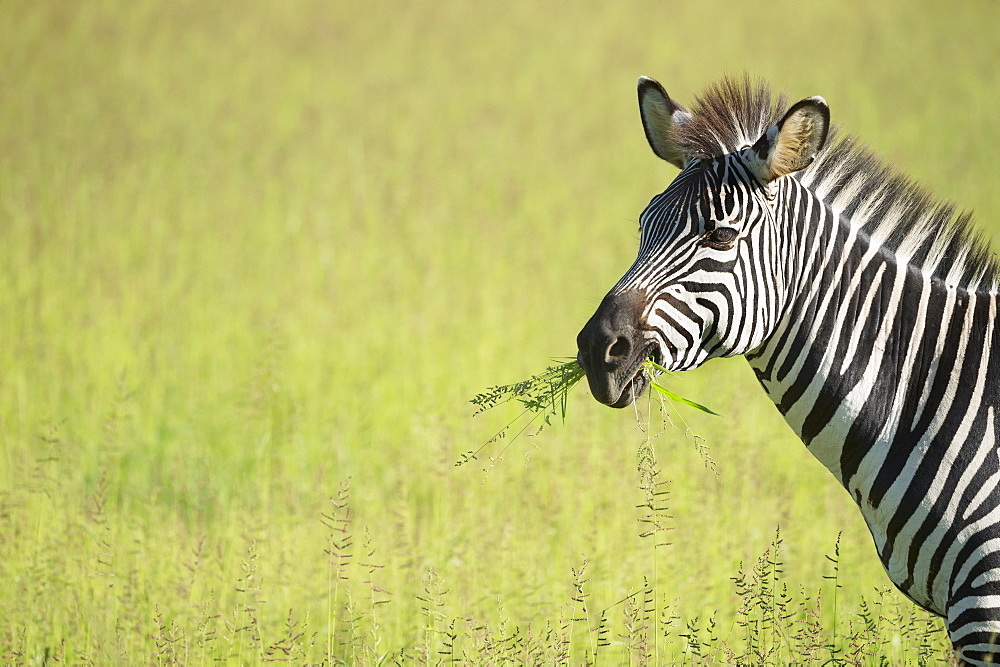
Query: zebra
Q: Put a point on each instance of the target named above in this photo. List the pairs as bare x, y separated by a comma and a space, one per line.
866, 308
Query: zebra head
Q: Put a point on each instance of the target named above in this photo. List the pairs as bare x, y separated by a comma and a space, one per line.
710, 277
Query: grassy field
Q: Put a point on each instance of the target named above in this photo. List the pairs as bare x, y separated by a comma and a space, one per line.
256, 258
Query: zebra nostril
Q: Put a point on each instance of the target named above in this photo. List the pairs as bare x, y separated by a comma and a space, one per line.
617, 350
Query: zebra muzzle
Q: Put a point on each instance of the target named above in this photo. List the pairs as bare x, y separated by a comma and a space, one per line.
612, 348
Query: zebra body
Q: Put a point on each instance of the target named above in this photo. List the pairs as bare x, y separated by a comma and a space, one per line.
911, 383
868, 312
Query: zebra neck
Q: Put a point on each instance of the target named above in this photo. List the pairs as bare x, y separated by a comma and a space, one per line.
870, 351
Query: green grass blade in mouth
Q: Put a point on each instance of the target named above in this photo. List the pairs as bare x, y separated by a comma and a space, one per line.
658, 367
680, 399
652, 365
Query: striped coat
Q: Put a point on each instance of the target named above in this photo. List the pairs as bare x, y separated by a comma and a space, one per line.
868, 311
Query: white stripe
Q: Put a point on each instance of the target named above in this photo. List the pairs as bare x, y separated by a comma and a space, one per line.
977, 626
866, 310
987, 577
949, 309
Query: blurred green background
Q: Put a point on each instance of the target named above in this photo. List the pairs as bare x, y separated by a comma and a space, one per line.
250, 251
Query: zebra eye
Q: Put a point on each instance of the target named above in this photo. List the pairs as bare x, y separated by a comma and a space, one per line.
721, 238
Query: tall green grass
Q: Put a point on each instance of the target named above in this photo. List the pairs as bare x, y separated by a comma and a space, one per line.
255, 258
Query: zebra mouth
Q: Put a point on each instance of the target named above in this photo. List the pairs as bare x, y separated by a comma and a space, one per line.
613, 347
639, 381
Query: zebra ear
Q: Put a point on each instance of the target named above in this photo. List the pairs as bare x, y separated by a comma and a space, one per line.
659, 114
792, 143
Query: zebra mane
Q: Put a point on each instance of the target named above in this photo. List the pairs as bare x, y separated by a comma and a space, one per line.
730, 115
888, 207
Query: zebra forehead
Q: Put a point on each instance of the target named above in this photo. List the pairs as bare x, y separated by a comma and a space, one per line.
730, 115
